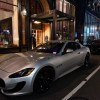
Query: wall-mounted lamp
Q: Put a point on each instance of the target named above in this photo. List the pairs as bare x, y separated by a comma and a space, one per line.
72, 20
24, 12
37, 22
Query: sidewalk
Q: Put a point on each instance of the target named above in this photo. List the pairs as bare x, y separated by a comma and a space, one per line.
8, 50
12, 50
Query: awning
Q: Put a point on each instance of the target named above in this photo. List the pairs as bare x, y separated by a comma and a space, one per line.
49, 16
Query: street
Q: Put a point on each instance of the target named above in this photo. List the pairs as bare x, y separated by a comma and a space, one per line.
66, 84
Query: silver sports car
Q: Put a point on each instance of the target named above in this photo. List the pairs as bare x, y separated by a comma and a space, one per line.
34, 71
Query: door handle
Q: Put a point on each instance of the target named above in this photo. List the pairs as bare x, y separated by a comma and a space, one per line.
79, 53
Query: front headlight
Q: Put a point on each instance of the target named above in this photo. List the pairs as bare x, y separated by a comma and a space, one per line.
22, 73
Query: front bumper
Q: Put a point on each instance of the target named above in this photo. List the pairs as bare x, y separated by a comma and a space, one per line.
16, 86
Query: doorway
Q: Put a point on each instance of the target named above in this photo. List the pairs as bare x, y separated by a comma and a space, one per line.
41, 32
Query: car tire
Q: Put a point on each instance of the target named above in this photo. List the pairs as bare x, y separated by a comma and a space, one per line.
43, 80
87, 60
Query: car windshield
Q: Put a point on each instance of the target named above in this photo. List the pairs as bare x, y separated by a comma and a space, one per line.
50, 47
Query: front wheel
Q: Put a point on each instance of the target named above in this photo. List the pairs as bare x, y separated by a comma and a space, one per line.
43, 80
87, 60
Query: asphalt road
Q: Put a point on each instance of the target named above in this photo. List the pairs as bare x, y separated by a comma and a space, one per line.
64, 85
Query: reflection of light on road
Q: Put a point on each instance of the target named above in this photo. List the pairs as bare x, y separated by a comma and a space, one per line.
80, 85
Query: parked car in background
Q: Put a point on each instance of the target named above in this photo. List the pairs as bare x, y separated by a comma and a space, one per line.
90, 39
35, 70
95, 46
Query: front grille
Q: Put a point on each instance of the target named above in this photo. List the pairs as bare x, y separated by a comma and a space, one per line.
2, 83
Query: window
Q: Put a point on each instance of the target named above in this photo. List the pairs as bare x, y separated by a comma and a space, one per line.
72, 45
91, 28
77, 46
59, 4
65, 7
8, 28
6, 32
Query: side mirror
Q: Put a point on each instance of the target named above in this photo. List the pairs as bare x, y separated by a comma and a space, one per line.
69, 50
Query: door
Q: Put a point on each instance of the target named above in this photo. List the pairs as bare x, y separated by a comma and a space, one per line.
70, 60
39, 37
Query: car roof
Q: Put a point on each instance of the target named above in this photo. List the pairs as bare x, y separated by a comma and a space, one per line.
54, 41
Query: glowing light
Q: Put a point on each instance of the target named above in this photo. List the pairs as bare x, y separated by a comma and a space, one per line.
24, 12
37, 22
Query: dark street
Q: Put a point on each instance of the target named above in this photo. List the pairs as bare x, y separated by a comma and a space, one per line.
66, 84
45, 40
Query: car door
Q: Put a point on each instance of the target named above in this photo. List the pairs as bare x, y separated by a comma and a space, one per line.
80, 54
70, 59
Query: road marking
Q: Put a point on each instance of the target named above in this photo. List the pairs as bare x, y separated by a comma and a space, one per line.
80, 85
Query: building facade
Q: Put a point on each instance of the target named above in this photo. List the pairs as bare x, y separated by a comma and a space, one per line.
8, 23
39, 19
87, 20
92, 21
47, 19
28, 23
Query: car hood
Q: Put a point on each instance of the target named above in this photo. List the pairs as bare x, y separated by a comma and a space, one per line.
16, 61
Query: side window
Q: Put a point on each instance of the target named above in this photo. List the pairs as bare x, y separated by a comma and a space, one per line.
77, 46
68, 46
72, 45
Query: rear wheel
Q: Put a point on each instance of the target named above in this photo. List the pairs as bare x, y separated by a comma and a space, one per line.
87, 60
43, 80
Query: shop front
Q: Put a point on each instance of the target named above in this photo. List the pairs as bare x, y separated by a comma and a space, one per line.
54, 23
29, 23
8, 24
